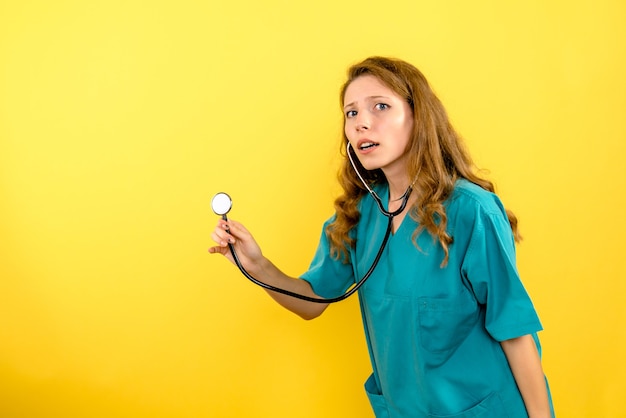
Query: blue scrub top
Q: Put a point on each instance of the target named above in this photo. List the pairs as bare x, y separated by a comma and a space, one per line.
433, 332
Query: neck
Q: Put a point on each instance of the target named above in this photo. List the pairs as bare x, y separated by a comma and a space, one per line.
398, 187
395, 195
398, 180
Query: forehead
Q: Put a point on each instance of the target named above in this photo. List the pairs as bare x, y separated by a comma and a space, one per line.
366, 86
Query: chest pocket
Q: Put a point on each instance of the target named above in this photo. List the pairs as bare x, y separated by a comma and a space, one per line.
445, 322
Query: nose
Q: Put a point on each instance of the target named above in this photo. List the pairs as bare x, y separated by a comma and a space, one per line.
362, 121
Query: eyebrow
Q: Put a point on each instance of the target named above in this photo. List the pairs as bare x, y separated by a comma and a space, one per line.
367, 98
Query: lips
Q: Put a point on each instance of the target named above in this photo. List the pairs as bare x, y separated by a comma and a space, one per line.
366, 145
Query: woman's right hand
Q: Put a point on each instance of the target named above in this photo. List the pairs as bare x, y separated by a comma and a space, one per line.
232, 232
253, 261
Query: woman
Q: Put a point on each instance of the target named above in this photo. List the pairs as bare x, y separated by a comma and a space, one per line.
450, 328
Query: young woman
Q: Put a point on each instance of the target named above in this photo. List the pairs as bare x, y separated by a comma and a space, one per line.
450, 328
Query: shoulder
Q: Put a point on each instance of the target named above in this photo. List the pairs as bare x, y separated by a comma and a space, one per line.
468, 198
470, 208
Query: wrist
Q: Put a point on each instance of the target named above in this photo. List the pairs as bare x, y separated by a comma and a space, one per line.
259, 267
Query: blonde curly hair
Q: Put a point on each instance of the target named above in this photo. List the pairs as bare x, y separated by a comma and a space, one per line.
437, 159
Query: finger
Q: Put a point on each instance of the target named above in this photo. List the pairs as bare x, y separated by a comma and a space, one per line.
231, 227
222, 224
222, 238
218, 250
236, 229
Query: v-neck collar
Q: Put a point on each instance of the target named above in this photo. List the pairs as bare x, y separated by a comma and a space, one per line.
385, 200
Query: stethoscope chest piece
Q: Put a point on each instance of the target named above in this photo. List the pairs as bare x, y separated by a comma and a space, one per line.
221, 204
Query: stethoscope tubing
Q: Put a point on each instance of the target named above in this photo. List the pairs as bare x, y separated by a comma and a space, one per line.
357, 286
309, 298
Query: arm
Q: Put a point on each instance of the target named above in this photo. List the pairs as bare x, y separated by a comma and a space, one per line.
525, 363
262, 269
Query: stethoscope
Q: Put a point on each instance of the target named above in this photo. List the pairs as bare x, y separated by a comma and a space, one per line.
222, 204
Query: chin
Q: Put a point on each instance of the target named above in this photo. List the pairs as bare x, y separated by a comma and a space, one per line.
372, 167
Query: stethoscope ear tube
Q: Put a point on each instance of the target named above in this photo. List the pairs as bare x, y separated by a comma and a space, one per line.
404, 197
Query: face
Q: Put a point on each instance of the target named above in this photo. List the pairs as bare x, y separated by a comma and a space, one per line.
378, 124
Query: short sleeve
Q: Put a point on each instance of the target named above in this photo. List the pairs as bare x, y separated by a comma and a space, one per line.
490, 267
328, 277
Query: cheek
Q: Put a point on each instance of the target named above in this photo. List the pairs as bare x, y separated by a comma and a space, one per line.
347, 130
405, 125
399, 125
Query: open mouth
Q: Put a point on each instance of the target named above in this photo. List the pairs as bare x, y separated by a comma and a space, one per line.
367, 145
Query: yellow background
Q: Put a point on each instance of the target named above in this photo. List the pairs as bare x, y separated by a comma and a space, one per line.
120, 119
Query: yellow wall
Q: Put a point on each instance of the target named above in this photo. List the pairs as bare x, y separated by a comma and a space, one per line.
120, 119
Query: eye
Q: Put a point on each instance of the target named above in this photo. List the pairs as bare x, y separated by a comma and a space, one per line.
350, 113
381, 106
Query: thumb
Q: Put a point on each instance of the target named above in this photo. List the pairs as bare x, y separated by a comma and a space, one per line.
218, 250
